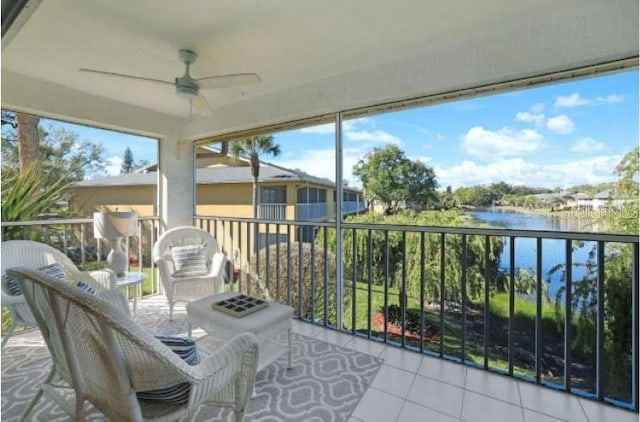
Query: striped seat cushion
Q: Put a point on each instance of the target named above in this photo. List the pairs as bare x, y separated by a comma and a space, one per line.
189, 260
179, 393
56, 271
12, 285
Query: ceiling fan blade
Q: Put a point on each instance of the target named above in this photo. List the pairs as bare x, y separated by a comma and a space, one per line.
224, 81
122, 75
202, 106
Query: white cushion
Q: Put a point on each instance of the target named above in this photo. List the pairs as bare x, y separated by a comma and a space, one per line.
189, 260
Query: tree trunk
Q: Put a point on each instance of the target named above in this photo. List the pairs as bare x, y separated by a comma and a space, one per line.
28, 139
255, 197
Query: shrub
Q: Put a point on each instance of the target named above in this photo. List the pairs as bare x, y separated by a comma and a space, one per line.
282, 278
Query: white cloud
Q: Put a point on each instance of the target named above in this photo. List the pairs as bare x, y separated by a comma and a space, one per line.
573, 100
535, 114
527, 116
114, 165
537, 108
372, 136
481, 142
517, 171
561, 124
610, 99
321, 163
576, 100
587, 145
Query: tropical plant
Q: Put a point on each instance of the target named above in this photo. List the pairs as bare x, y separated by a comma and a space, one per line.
26, 196
254, 148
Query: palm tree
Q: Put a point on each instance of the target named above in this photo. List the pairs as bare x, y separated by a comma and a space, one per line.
253, 148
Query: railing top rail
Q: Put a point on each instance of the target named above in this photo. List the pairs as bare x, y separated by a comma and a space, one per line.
52, 222
544, 234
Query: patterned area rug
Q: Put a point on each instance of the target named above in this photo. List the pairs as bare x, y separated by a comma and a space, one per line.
326, 382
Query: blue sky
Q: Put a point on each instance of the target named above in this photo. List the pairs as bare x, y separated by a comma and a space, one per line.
553, 135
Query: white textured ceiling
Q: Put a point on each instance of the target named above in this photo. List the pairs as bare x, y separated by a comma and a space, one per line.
300, 49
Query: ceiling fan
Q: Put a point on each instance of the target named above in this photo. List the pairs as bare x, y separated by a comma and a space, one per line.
189, 88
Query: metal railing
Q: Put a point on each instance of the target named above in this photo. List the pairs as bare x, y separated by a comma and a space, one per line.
74, 237
314, 211
272, 211
566, 318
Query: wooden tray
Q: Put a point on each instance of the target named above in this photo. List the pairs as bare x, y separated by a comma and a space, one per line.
240, 305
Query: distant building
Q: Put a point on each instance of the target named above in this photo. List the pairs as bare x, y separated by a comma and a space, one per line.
224, 189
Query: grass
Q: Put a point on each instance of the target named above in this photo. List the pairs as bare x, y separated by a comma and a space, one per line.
524, 316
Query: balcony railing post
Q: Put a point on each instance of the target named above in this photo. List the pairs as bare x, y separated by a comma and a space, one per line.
568, 315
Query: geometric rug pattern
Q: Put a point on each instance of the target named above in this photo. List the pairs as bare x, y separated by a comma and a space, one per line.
326, 382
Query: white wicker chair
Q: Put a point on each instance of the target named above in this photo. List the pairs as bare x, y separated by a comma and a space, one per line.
106, 358
187, 289
29, 254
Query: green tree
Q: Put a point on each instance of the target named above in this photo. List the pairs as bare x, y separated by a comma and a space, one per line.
254, 148
627, 189
127, 162
60, 156
389, 177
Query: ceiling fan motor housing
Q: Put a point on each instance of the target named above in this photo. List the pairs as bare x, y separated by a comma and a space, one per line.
186, 88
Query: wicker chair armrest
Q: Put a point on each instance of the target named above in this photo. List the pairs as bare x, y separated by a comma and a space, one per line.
115, 298
236, 359
8, 299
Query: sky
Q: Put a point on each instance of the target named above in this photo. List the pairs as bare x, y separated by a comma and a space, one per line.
557, 135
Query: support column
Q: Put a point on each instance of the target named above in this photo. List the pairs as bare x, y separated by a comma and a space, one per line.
176, 187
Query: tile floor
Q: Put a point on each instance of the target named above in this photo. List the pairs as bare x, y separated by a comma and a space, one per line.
411, 388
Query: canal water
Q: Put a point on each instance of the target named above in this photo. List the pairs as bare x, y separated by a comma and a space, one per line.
553, 251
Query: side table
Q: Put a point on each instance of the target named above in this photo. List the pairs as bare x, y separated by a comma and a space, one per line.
132, 279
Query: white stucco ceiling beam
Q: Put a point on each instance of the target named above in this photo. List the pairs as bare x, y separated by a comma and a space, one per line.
28, 95
559, 42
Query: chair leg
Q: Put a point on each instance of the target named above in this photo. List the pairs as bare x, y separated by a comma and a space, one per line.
6, 337
171, 311
35, 398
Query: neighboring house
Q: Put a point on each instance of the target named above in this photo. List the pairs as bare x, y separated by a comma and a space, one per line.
224, 189
601, 200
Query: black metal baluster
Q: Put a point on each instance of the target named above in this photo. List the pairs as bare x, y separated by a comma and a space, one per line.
464, 298
539, 341
300, 273
326, 275
442, 275
403, 291
289, 287
568, 315
422, 255
369, 279
634, 328
386, 286
600, 335
267, 259
354, 272
312, 288
277, 262
512, 276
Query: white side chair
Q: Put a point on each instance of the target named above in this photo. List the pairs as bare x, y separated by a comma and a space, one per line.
29, 254
188, 288
107, 358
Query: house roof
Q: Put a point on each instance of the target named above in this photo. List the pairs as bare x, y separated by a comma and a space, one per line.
217, 174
